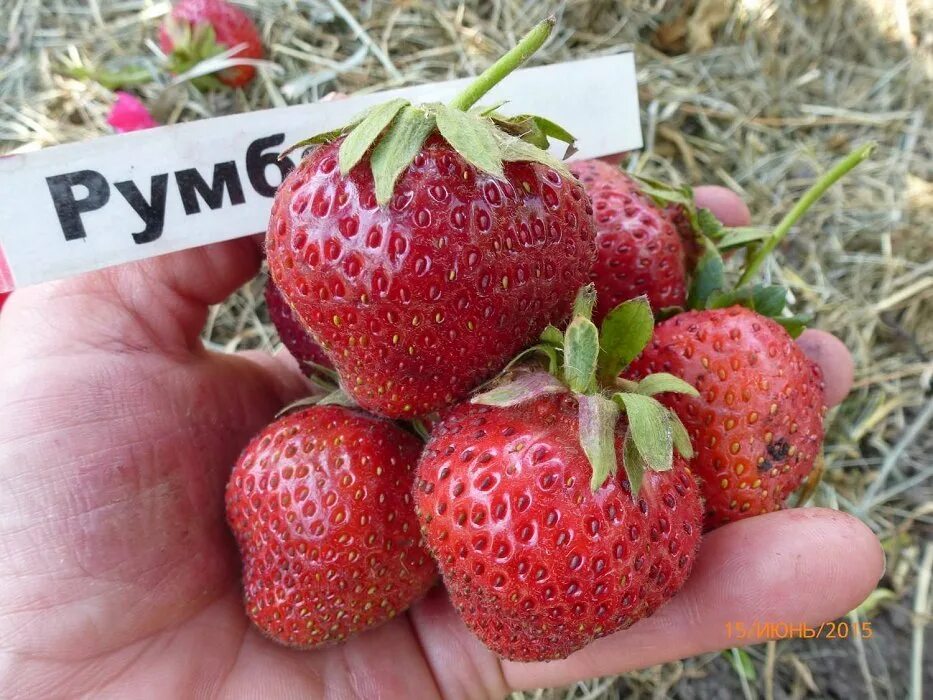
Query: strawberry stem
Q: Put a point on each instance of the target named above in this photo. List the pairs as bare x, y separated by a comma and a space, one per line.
810, 196
490, 77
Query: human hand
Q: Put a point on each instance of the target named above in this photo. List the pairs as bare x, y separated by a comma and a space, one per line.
117, 433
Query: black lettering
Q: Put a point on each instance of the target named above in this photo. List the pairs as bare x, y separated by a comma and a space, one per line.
257, 162
152, 213
191, 184
68, 207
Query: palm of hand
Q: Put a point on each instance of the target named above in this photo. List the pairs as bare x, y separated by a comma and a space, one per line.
117, 433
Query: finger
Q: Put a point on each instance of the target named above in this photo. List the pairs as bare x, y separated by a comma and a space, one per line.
725, 204
834, 359
161, 302
801, 566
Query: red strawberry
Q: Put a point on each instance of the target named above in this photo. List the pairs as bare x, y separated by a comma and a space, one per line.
537, 564
421, 276
3, 297
292, 334
757, 424
641, 247
199, 29
320, 505
544, 544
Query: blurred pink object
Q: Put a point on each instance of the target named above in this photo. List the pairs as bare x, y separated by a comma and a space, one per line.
129, 114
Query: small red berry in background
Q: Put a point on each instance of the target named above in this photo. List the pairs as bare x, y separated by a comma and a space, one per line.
199, 29
128, 113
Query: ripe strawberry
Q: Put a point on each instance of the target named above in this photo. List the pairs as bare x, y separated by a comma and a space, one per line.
641, 246
422, 268
292, 334
537, 564
542, 545
199, 29
320, 505
757, 424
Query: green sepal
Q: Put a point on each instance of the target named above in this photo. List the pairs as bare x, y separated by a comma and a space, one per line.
633, 463
513, 149
581, 351
522, 388
709, 225
398, 148
624, 333
768, 300
650, 425
709, 276
362, 137
338, 397
664, 194
531, 128
597, 419
472, 136
420, 429
664, 382
551, 335
741, 236
796, 324
585, 301
680, 436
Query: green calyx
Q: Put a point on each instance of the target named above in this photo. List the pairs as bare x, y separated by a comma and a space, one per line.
193, 44
709, 288
586, 362
394, 132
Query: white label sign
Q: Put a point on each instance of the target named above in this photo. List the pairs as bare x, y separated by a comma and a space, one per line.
89, 205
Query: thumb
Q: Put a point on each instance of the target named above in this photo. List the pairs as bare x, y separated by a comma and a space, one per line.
158, 303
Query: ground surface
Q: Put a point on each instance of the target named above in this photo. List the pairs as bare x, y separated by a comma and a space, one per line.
758, 95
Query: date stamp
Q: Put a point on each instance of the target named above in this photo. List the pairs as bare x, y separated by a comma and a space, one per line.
762, 630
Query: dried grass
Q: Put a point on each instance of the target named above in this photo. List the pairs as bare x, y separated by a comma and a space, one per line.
784, 90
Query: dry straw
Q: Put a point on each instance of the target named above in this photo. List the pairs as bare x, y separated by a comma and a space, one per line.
780, 90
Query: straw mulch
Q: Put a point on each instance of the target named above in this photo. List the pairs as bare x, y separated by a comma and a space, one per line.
758, 95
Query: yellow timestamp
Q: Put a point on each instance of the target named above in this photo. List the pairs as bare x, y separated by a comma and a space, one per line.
739, 630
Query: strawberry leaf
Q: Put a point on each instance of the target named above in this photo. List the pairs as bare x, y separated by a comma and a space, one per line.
585, 301
364, 135
709, 276
681, 437
633, 464
581, 350
523, 388
650, 425
624, 333
471, 136
598, 417
665, 194
662, 382
487, 110
398, 148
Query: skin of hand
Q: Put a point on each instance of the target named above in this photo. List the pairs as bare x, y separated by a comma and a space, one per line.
117, 573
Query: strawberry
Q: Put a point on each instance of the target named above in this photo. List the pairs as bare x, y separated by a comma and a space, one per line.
320, 506
542, 544
200, 29
292, 334
757, 423
424, 246
757, 419
3, 297
641, 246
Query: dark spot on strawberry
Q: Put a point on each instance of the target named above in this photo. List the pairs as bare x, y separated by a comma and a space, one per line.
778, 449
